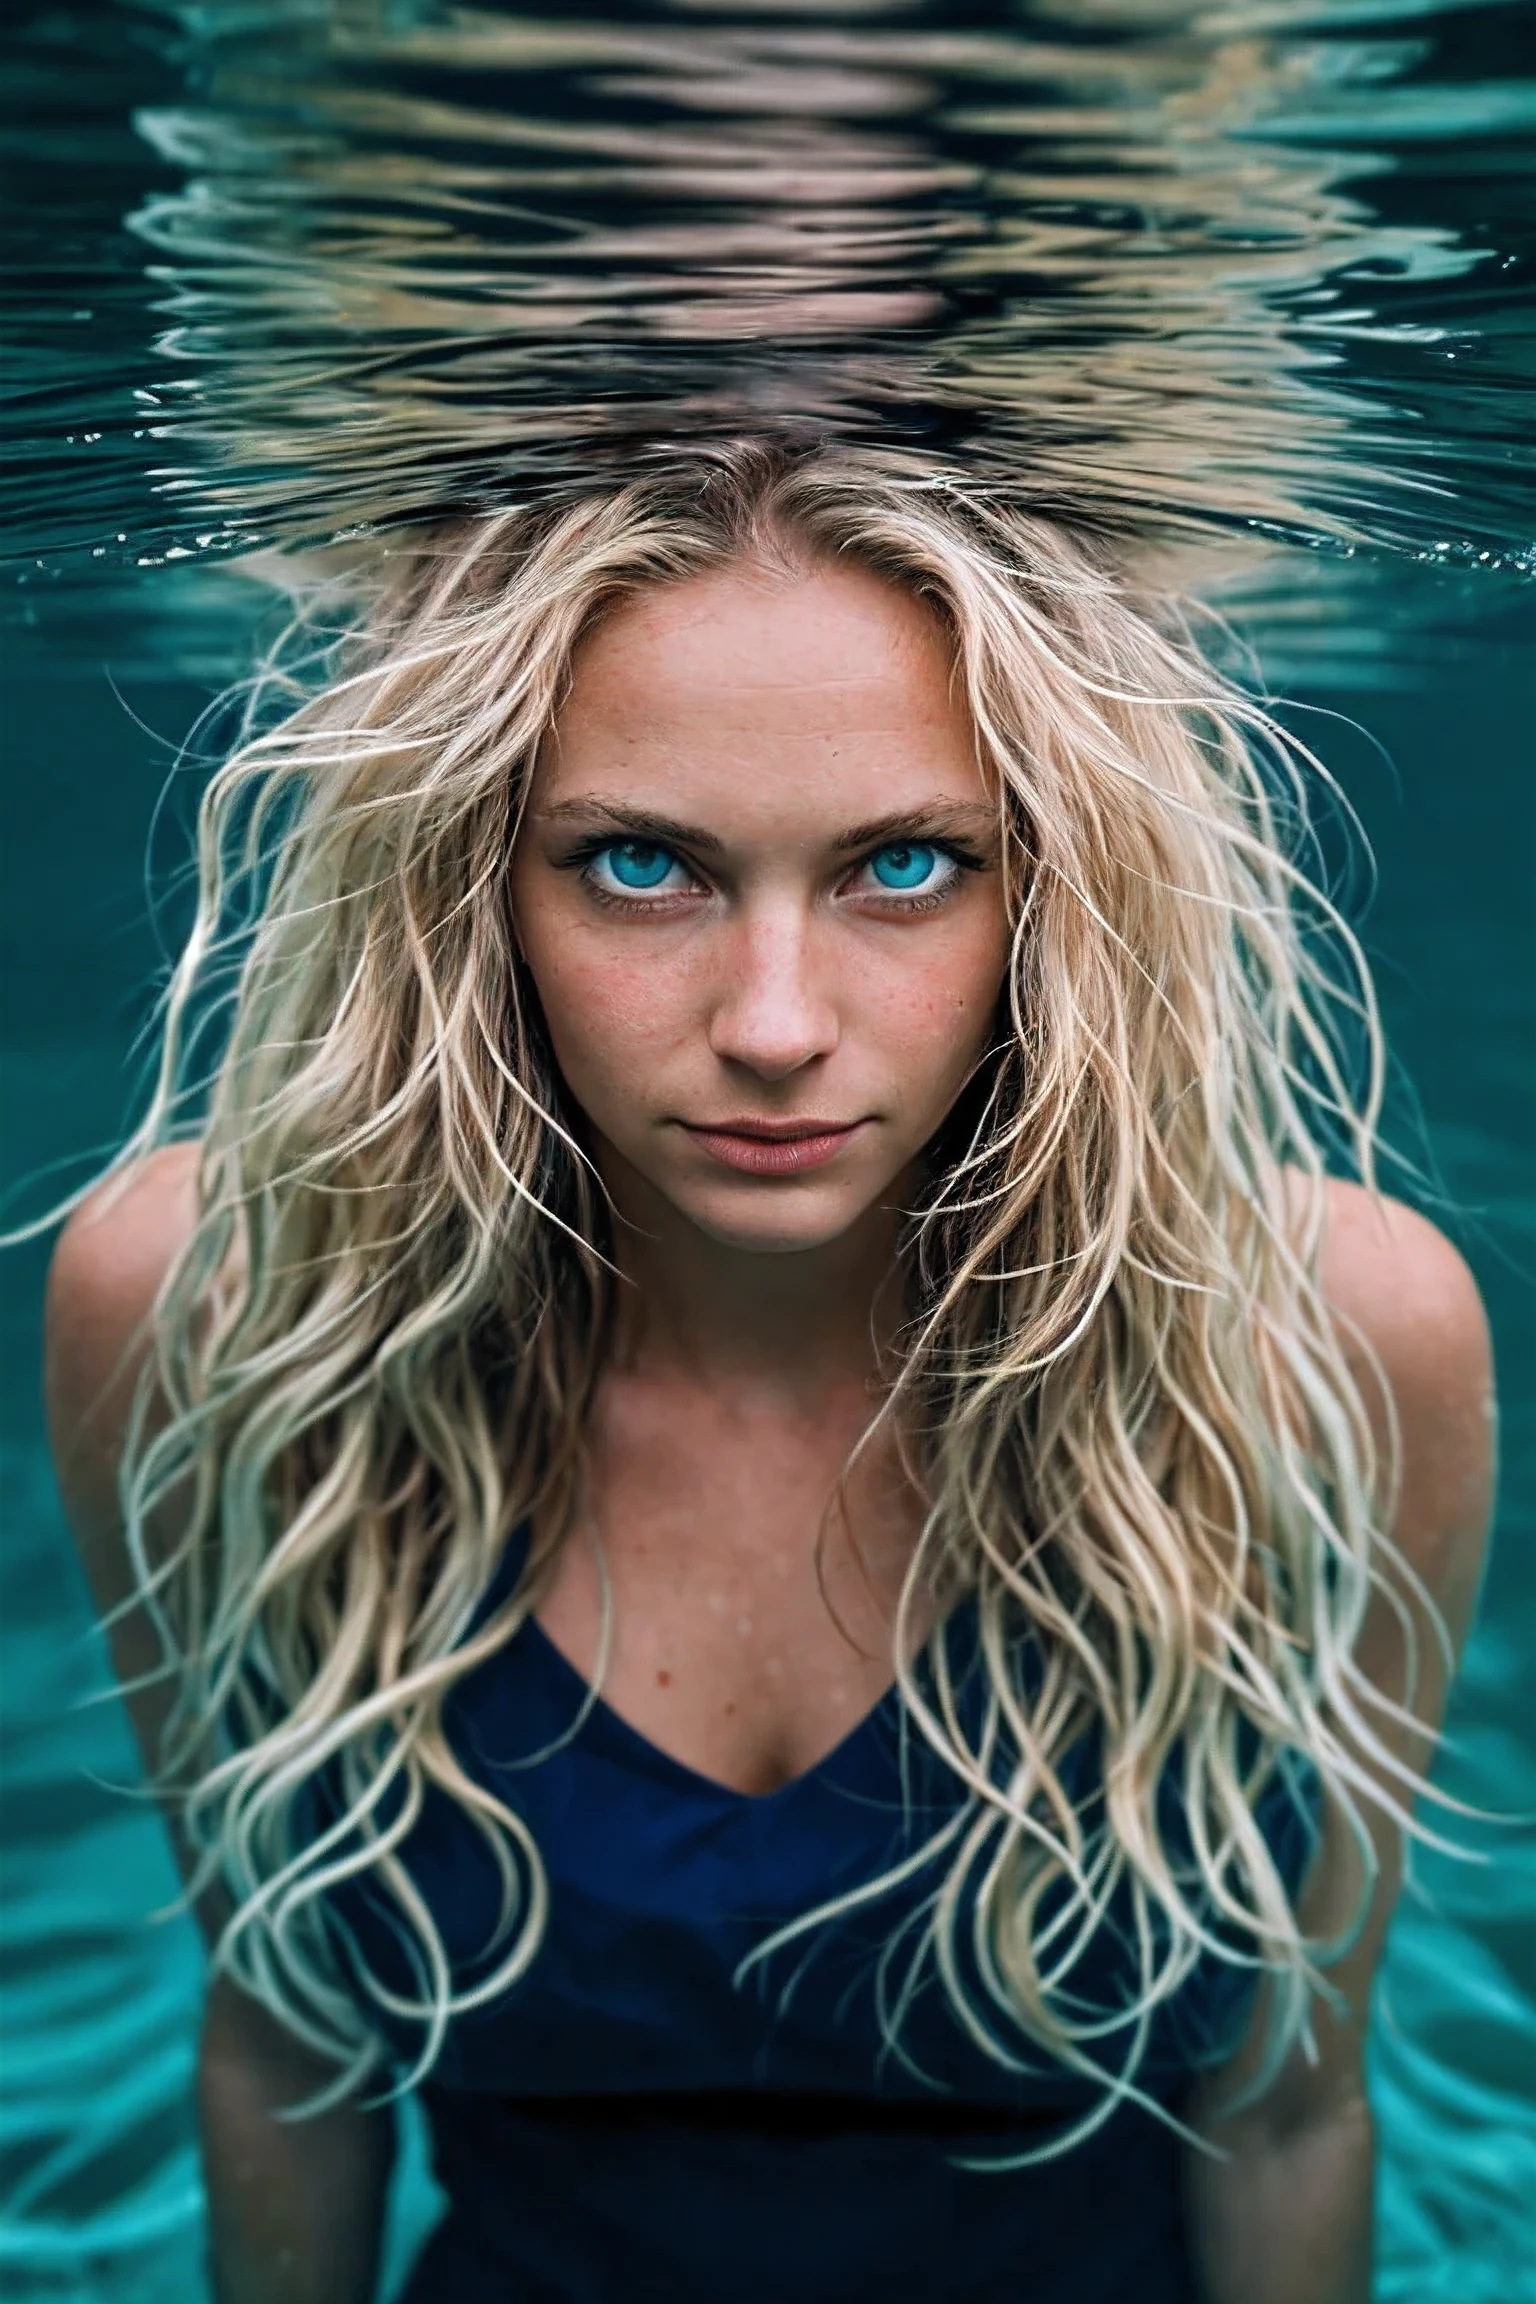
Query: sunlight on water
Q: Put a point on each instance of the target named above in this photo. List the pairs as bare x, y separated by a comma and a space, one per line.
1255, 282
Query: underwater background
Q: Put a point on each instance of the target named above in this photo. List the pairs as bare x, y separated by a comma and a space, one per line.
1257, 280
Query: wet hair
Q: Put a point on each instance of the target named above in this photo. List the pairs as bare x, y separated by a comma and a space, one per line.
1127, 1409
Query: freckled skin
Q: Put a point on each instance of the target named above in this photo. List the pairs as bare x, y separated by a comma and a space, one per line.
775, 712
772, 978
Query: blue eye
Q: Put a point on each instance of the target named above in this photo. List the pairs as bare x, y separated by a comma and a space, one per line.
637, 863
920, 871
904, 866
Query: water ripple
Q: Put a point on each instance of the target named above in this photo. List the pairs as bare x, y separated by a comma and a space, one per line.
1258, 269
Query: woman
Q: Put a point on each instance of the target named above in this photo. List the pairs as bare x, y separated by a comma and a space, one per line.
793, 1532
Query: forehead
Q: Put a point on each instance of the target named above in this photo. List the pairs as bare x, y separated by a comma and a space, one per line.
758, 665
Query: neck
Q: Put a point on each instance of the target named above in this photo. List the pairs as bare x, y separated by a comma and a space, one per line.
796, 1326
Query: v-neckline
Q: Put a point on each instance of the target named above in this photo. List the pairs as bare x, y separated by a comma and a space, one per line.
594, 1707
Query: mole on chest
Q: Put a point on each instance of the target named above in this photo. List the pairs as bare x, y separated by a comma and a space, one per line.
731, 1646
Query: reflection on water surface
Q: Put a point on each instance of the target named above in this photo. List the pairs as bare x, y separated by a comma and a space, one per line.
1253, 268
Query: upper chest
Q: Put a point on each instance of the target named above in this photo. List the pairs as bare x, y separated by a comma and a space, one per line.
751, 1617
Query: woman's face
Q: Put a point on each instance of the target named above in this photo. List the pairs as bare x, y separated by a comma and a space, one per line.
758, 887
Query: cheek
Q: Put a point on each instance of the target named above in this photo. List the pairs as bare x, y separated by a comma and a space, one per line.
607, 1014
938, 1017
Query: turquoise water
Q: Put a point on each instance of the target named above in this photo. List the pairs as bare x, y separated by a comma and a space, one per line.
1255, 274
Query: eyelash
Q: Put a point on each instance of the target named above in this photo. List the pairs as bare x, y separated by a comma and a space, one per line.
582, 859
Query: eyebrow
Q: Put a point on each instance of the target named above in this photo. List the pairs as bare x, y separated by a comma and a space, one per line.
938, 820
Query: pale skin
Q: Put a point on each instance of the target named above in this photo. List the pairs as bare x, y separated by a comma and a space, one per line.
786, 725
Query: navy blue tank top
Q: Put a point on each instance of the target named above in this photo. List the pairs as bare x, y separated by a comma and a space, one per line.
636, 2119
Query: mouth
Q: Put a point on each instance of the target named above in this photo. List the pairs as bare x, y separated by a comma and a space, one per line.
774, 1147
770, 1131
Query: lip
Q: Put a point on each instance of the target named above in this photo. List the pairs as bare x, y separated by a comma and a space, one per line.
775, 1147
776, 1131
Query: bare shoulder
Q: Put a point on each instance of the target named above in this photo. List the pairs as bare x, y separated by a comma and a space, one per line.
106, 1270
1398, 1277
1401, 1287
1413, 1321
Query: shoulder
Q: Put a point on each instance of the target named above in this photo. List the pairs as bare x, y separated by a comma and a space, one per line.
107, 1268
104, 1276
111, 1258
1396, 1277
1413, 1325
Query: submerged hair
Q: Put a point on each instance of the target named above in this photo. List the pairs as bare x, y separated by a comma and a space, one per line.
1141, 1448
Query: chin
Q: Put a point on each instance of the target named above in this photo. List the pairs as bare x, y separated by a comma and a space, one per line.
795, 1224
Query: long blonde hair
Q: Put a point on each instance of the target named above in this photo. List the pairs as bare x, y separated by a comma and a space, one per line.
1133, 1423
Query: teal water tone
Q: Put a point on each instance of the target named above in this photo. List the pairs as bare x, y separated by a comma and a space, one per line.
1260, 275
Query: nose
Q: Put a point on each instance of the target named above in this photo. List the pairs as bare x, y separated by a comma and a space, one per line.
773, 1012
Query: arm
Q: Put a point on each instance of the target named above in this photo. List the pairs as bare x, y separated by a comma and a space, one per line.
1288, 2218
295, 2211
